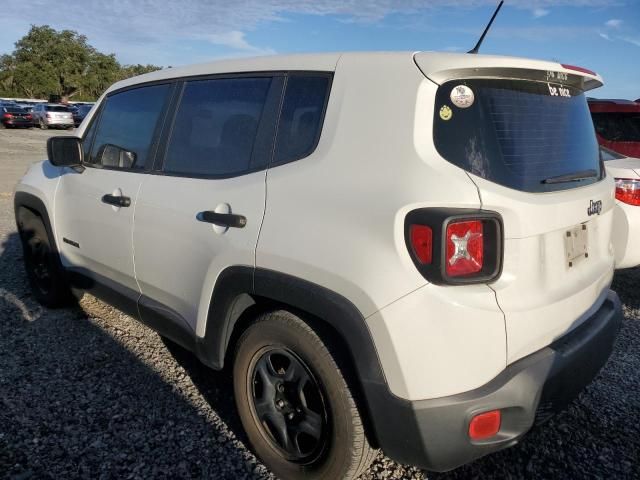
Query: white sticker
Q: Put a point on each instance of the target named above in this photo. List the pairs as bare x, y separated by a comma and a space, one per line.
462, 96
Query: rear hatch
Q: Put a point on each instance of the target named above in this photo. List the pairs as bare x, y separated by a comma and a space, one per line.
59, 113
522, 131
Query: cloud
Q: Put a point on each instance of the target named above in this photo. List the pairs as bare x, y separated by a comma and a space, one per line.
540, 12
613, 23
605, 36
163, 27
631, 40
235, 40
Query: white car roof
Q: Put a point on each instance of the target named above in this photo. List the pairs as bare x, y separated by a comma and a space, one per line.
430, 62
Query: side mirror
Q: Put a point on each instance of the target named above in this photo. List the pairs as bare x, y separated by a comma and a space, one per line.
65, 151
116, 157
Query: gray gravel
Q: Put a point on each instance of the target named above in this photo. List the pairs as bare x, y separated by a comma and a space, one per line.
87, 392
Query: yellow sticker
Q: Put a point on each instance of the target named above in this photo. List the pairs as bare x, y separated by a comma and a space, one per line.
445, 112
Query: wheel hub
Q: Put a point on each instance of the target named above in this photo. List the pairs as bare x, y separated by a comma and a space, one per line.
289, 405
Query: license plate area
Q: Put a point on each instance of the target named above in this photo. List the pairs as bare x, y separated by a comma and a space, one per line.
576, 244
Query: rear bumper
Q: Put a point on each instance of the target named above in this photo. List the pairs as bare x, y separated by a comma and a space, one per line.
432, 434
54, 122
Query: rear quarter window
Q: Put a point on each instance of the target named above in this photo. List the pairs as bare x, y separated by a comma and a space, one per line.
302, 116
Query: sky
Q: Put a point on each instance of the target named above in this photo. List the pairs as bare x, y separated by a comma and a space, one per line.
602, 35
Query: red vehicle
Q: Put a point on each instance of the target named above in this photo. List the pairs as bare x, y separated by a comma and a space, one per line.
617, 124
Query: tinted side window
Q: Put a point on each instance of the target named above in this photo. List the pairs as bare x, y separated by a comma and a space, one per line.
127, 125
302, 116
216, 126
88, 137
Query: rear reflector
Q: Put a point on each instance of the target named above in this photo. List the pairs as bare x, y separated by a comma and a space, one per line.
422, 243
485, 425
628, 190
465, 248
579, 69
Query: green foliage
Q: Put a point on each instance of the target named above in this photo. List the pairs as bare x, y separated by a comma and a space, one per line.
46, 61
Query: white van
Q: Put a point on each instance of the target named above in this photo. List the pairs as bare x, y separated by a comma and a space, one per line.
399, 251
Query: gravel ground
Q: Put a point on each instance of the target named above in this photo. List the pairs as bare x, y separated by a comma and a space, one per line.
87, 392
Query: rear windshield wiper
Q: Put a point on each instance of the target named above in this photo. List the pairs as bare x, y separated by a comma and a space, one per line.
572, 177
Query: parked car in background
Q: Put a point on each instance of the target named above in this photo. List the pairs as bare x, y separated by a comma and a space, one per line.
12, 116
626, 223
47, 115
617, 124
80, 113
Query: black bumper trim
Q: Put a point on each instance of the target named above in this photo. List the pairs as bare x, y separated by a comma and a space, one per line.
432, 434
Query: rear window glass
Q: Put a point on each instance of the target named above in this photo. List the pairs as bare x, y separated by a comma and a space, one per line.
618, 127
520, 134
57, 108
301, 118
14, 110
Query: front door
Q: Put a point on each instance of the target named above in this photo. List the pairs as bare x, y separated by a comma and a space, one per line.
94, 209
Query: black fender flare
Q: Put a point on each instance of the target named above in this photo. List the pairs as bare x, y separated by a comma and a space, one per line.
237, 289
37, 206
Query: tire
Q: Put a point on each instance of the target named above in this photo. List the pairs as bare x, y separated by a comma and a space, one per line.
276, 358
44, 271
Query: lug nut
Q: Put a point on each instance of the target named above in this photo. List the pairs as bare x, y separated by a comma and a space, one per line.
281, 388
280, 403
291, 416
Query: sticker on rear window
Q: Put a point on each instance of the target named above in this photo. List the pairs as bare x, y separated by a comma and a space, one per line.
462, 96
445, 112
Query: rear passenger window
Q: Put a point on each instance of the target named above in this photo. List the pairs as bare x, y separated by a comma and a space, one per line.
302, 116
216, 124
127, 125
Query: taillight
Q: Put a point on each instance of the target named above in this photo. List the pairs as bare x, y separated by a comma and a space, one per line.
465, 248
28, 117
7, 115
422, 243
454, 246
628, 190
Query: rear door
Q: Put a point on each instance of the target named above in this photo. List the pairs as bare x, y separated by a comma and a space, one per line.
202, 210
526, 139
95, 208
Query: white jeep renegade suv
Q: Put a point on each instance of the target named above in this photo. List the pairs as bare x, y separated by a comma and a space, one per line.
405, 251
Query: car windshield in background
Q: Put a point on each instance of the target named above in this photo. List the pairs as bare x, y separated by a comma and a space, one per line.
57, 108
608, 154
618, 127
526, 135
14, 110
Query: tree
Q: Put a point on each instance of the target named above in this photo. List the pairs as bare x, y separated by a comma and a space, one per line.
46, 61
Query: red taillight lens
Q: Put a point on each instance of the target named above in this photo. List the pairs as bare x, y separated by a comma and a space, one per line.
28, 117
7, 115
628, 190
422, 243
465, 248
485, 425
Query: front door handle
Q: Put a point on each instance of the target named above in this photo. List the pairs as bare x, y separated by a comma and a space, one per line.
223, 219
116, 200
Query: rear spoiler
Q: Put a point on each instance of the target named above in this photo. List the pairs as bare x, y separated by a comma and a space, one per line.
443, 67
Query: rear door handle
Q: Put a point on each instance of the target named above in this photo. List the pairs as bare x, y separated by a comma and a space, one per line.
116, 200
223, 219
